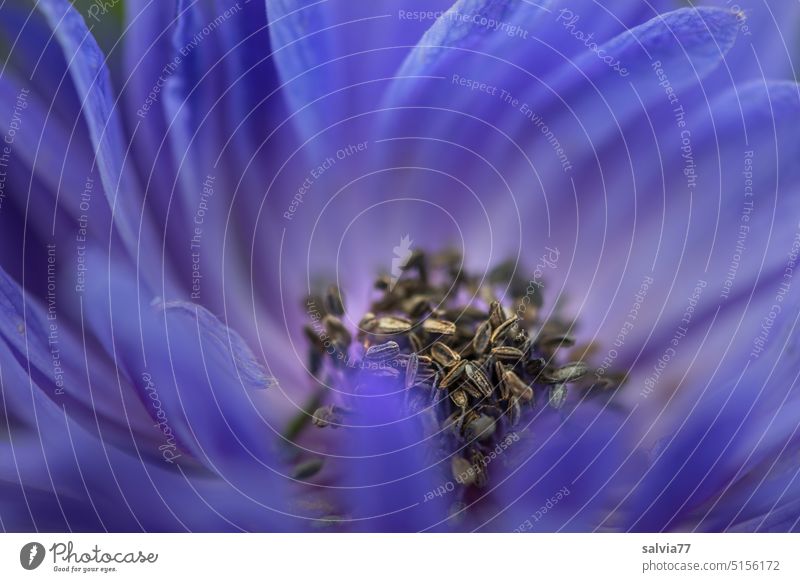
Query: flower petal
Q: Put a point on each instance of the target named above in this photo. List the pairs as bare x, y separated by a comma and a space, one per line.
770, 33
730, 454
86, 64
48, 160
390, 481
195, 376
321, 48
564, 473
147, 60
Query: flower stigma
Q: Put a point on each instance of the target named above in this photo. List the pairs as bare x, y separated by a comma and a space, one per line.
471, 355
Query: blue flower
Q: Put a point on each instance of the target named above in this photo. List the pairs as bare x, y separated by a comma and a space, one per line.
174, 204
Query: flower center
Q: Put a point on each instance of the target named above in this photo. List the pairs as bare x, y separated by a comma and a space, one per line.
472, 350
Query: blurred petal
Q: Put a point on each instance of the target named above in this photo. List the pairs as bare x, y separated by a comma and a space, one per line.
770, 34
87, 67
387, 473
199, 385
343, 51
147, 58
729, 455
564, 474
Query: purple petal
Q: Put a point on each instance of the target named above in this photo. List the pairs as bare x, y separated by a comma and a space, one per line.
563, 474
87, 67
727, 461
342, 49
385, 468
